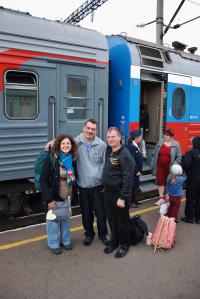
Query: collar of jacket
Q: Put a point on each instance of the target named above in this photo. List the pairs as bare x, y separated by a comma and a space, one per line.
174, 142
81, 140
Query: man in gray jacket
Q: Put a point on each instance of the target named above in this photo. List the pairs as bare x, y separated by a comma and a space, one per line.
90, 163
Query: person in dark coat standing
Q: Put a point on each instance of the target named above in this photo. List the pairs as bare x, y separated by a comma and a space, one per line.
191, 165
134, 149
144, 119
117, 180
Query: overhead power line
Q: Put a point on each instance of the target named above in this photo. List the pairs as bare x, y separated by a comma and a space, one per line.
173, 17
194, 2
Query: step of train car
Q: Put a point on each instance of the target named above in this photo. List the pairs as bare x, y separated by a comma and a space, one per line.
148, 183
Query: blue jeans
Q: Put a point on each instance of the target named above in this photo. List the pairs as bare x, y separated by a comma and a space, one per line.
58, 232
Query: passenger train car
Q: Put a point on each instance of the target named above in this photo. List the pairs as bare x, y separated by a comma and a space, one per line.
54, 76
166, 80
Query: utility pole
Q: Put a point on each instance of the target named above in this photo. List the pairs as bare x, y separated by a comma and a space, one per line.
159, 23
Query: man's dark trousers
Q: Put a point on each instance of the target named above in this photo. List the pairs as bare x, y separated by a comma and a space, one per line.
91, 203
118, 218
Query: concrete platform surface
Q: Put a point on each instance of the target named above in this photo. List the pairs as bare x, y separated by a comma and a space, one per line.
28, 270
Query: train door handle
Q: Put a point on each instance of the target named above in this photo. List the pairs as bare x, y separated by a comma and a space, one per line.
157, 119
52, 101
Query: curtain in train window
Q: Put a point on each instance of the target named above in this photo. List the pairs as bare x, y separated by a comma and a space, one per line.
178, 103
21, 95
77, 98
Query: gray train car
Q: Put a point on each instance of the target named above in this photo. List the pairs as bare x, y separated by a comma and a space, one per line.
53, 76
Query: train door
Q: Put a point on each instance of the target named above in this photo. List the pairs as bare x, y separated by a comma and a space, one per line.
77, 98
152, 95
178, 106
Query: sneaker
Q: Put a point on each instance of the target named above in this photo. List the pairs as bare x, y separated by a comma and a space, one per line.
56, 251
87, 241
160, 202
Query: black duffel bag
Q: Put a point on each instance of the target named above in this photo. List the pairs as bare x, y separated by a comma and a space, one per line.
138, 229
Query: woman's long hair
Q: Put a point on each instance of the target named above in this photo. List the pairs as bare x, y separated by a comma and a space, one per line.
56, 146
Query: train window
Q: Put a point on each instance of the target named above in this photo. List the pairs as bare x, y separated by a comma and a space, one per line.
178, 103
21, 95
77, 100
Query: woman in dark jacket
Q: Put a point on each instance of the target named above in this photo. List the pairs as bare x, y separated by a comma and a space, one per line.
134, 149
56, 183
191, 165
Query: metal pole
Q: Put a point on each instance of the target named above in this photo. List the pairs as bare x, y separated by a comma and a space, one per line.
159, 23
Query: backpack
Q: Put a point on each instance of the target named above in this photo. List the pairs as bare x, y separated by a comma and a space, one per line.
165, 232
138, 229
39, 162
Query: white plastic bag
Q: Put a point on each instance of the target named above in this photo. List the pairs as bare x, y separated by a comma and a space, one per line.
164, 208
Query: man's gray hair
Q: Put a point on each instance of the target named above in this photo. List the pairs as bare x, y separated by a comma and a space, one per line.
116, 130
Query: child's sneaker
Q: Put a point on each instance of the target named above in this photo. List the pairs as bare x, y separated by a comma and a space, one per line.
160, 202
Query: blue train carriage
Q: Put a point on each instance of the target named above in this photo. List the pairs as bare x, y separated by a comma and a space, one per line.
53, 76
166, 79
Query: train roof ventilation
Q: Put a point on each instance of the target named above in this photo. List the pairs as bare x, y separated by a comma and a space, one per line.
179, 46
192, 50
151, 56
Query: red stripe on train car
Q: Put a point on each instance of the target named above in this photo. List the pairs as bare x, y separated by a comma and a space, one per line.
133, 126
14, 58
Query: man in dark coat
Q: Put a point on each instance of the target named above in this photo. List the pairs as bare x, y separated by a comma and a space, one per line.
191, 165
134, 149
117, 179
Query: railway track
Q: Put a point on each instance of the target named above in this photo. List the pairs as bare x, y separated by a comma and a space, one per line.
36, 215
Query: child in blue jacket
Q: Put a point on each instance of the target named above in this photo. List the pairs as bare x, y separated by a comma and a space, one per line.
174, 190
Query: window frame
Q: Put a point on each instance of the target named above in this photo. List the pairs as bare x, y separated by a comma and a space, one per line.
18, 86
87, 98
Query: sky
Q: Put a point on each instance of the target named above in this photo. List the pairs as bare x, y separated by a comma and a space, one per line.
117, 16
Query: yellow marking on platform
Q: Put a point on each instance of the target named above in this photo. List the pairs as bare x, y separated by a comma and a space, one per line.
74, 229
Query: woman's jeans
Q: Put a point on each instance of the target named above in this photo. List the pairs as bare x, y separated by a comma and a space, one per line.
58, 231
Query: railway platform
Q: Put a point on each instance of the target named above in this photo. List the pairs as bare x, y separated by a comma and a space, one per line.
29, 270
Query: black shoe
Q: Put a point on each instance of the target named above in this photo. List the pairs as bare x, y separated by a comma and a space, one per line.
121, 252
56, 251
138, 203
109, 249
87, 241
134, 205
67, 247
188, 220
105, 240
197, 221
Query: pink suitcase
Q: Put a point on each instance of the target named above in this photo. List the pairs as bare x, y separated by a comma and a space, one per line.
164, 235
